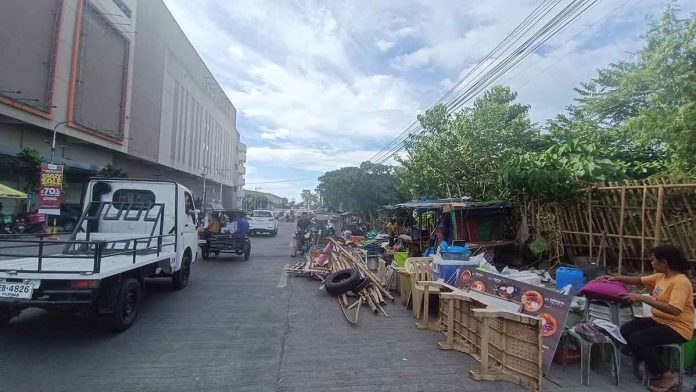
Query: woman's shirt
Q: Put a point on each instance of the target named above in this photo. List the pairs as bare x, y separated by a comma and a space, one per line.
678, 292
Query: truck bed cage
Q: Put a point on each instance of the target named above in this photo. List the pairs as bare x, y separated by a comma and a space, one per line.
88, 248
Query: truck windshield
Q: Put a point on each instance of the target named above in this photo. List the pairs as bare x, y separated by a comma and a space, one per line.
261, 214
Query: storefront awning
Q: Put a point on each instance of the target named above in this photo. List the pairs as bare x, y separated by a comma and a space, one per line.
8, 193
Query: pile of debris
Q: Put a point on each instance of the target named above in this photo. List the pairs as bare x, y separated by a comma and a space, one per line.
346, 276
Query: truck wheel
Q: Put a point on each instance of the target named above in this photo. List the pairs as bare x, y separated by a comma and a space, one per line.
129, 295
6, 315
205, 254
181, 277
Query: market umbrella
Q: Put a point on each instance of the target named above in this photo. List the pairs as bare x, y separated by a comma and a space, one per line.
8, 193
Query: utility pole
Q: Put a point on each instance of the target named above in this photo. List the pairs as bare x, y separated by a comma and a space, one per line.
205, 193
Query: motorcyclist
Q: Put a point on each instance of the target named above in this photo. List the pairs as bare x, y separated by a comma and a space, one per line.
303, 223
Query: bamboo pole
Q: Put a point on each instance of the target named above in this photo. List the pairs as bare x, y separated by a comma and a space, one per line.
658, 214
651, 186
632, 237
642, 229
589, 218
621, 227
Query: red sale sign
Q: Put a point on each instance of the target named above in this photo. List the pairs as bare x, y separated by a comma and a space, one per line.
50, 189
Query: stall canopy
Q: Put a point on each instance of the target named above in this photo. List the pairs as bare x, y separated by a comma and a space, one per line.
442, 204
8, 193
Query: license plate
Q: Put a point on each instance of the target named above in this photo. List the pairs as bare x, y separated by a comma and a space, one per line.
16, 290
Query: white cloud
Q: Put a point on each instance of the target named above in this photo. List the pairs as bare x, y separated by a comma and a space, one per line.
320, 85
306, 158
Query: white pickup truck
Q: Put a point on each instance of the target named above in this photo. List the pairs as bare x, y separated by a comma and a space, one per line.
129, 230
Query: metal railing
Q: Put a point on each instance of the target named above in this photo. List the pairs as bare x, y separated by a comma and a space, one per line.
97, 252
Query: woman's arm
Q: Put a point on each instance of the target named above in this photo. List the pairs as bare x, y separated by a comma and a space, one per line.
632, 280
661, 306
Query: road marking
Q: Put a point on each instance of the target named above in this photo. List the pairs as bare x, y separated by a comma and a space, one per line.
283, 277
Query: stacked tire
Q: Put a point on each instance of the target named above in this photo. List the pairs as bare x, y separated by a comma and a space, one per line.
343, 281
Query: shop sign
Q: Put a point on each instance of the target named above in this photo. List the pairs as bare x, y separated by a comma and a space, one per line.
50, 189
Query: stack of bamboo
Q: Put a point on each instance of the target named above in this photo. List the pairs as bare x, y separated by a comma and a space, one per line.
373, 294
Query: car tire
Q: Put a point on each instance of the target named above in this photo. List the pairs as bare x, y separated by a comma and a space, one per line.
130, 294
205, 254
69, 226
181, 277
343, 281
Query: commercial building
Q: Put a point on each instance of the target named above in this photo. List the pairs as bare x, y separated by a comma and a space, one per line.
121, 85
257, 199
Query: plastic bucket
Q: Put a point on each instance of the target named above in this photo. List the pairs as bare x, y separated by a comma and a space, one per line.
400, 258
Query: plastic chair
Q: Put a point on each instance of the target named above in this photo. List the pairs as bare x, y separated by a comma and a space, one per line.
669, 347
585, 355
614, 311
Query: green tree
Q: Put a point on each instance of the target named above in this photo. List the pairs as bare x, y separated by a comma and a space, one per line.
113, 172
464, 152
653, 96
27, 166
362, 189
310, 200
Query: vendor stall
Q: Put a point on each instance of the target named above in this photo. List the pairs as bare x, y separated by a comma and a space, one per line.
478, 225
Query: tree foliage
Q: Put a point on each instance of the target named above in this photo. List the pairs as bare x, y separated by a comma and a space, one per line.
361, 189
464, 152
635, 119
113, 172
27, 166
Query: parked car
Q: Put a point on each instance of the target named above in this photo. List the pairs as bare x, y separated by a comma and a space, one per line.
69, 215
262, 221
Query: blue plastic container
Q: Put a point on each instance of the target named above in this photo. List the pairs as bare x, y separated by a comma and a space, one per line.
456, 253
447, 269
569, 276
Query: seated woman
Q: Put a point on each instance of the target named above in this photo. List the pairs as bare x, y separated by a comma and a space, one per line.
672, 320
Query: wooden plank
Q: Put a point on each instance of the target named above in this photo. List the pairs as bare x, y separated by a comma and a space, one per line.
658, 214
589, 218
642, 229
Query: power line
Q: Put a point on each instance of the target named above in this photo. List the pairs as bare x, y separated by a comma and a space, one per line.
566, 16
539, 12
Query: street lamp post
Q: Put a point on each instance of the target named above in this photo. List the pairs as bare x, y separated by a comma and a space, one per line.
53, 142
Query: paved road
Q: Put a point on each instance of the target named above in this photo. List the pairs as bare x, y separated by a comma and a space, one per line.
241, 326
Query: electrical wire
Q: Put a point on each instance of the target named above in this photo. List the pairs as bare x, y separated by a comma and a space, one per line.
559, 22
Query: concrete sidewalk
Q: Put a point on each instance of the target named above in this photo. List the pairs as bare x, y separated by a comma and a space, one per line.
322, 352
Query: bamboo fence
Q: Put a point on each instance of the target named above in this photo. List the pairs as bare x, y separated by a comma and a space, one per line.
618, 224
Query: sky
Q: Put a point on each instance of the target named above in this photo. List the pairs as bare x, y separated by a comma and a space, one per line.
319, 85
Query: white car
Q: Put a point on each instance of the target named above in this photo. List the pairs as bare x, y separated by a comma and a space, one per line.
263, 221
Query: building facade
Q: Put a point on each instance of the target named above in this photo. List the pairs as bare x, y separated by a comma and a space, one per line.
121, 85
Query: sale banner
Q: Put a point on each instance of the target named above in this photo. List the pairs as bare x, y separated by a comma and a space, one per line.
550, 306
50, 189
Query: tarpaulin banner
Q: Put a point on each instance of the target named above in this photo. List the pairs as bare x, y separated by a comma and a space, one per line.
550, 306
50, 189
